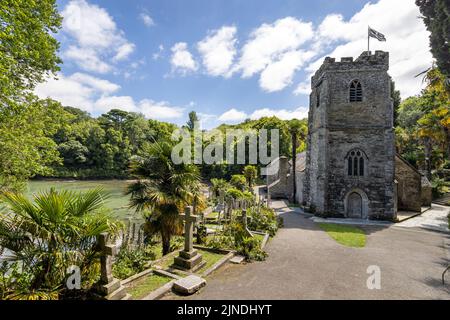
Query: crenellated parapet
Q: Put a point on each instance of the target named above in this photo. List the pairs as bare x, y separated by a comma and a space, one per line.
365, 62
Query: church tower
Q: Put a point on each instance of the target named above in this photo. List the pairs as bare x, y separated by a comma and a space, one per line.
350, 161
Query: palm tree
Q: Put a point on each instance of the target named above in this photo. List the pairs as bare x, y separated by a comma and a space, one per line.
56, 230
218, 186
162, 190
250, 173
297, 129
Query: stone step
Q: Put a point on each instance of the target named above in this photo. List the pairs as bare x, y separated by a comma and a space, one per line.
119, 294
127, 297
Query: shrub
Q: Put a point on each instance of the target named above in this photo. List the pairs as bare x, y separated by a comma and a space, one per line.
265, 220
250, 248
130, 262
239, 182
201, 233
438, 186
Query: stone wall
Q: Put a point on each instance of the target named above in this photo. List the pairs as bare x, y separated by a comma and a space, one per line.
409, 182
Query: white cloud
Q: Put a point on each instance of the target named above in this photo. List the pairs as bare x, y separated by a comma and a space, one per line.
218, 51
233, 115
407, 40
182, 60
124, 51
269, 42
284, 114
279, 74
146, 19
95, 35
87, 59
94, 95
125, 103
303, 88
101, 85
160, 110
159, 53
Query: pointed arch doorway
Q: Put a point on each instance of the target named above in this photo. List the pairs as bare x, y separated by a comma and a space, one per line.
356, 204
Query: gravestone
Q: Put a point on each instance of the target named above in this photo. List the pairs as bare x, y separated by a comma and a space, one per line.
108, 287
189, 259
189, 285
243, 219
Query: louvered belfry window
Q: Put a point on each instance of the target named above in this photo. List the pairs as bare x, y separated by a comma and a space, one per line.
356, 91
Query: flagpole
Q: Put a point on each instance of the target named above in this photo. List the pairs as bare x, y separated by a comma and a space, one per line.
368, 41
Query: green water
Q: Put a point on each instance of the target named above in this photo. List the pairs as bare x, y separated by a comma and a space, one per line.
117, 202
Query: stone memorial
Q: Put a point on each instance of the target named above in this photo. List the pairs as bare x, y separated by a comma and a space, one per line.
108, 287
189, 259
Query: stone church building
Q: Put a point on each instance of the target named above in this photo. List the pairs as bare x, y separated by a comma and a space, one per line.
350, 168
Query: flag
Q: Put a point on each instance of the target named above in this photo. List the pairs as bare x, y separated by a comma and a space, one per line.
377, 35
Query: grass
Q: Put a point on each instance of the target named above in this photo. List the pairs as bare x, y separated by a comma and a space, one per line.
147, 285
294, 205
346, 235
210, 257
213, 215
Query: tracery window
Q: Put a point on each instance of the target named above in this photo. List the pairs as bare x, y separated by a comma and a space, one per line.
356, 94
356, 161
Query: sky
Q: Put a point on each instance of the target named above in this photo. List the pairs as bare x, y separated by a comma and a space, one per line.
228, 60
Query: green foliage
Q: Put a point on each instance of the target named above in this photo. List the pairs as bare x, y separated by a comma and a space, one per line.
265, 220
439, 187
239, 182
26, 147
250, 173
131, 261
55, 231
201, 233
27, 47
250, 248
218, 186
193, 119
423, 130
162, 189
436, 16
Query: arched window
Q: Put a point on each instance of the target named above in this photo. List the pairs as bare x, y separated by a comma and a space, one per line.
356, 91
318, 98
356, 161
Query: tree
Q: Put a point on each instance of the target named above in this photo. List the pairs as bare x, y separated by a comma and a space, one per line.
26, 144
162, 190
193, 119
27, 57
436, 16
297, 130
396, 100
218, 186
27, 47
250, 173
239, 182
51, 233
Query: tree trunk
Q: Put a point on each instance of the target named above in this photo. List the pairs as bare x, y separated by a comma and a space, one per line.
427, 142
447, 133
165, 239
294, 162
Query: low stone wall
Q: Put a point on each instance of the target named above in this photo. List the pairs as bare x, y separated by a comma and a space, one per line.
409, 196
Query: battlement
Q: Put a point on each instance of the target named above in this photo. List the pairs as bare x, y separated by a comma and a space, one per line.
365, 62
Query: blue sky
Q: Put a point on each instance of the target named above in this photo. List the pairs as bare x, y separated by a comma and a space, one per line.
227, 60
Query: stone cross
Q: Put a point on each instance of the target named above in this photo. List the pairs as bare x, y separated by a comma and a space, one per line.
244, 222
107, 253
221, 196
189, 221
